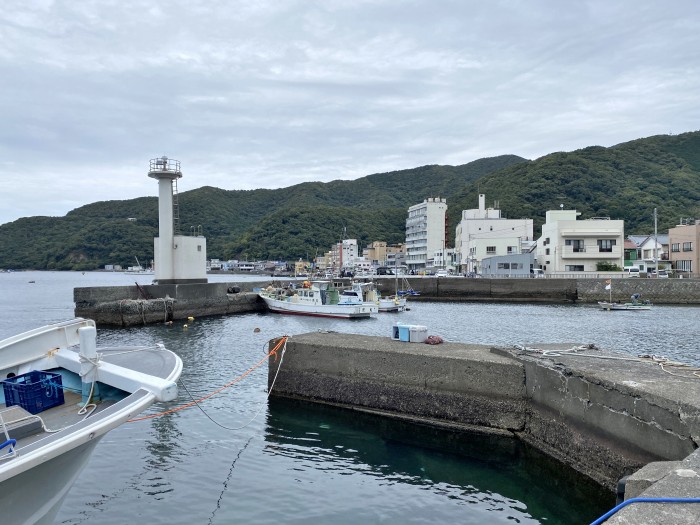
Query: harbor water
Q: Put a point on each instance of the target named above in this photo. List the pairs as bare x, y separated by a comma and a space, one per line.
240, 457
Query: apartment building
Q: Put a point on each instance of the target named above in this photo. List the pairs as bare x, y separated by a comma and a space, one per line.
568, 244
482, 233
684, 240
425, 232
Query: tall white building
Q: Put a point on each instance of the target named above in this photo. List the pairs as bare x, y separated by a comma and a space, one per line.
425, 232
571, 245
482, 233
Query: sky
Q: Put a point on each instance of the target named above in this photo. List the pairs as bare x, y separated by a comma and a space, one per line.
272, 93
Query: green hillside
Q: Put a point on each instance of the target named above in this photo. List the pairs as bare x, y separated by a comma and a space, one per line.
626, 181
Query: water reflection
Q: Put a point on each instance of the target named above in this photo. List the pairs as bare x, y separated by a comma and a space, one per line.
495, 474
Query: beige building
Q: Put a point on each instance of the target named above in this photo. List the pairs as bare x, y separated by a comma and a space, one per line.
572, 245
379, 252
684, 241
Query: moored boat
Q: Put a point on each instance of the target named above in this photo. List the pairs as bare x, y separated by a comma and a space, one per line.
607, 305
59, 398
319, 299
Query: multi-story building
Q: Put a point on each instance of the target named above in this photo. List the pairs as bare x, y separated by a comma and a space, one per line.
425, 232
684, 240
343, 255
482, 233
571, 245
379, 253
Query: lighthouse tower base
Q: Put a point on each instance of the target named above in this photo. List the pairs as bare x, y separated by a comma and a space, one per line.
185, 263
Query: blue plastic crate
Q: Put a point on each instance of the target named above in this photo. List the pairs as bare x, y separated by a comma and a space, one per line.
34, 391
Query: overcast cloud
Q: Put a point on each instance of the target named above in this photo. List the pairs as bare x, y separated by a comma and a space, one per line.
267, 94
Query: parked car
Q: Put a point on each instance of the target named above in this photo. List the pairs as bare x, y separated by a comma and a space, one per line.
537, 272
442, 273
661, 274
631, 271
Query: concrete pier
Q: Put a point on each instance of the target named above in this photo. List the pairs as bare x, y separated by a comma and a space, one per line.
139, 305
605, 414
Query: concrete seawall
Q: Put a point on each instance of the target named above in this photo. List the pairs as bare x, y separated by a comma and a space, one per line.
605, 414
136, 305
553, 290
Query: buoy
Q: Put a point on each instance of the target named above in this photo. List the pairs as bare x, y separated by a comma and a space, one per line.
184, 326
256, 330
169, 323
190, 319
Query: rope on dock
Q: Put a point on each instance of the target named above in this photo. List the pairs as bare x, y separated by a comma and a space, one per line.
281, 344
664, 362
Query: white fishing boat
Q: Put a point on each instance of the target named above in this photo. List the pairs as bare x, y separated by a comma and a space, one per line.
607, 305
60, 396
369, 293
635, 303
316, 298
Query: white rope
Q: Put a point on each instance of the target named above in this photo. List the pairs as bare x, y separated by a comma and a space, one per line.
662, 361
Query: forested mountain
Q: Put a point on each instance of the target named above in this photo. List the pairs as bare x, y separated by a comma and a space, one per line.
626, 181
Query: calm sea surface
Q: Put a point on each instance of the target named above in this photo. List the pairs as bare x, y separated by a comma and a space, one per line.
244, 459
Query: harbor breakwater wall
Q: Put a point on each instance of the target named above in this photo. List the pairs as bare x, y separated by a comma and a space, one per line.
147, 304
553, 290
605, 414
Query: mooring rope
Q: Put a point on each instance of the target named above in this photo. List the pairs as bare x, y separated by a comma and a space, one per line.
662, 361
282, 343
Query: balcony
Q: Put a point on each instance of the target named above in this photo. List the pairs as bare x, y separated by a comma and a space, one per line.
589, 252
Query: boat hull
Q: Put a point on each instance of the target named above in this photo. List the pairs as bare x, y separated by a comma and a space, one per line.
50, 481
623, 306
346, 311
392, 305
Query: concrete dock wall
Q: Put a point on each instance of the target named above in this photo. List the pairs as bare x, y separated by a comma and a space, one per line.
552, 290
603, 415
136, 305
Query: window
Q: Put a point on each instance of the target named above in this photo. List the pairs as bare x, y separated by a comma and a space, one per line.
504, 266
516, 266
577, 245
490, 249
512, 249
676, 247
574, 268
606, 245
684, 266
546, 252
687, 246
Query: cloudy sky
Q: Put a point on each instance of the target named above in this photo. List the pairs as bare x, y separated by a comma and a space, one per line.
270, 93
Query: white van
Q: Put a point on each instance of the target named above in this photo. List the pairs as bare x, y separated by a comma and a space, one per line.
537, 272
631, 271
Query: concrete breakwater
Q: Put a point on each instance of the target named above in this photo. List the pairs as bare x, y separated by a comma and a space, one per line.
135, 305
605, 414
147, 304
554, 290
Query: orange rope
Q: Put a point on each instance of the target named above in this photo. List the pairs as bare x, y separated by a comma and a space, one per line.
227, 385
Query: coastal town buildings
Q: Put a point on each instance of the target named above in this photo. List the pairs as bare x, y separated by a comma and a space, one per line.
482, 233
425, 232
568, 244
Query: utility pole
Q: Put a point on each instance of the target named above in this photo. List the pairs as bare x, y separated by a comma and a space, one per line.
656, 246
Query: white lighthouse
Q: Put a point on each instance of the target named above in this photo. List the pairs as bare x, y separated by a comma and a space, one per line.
179, 259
